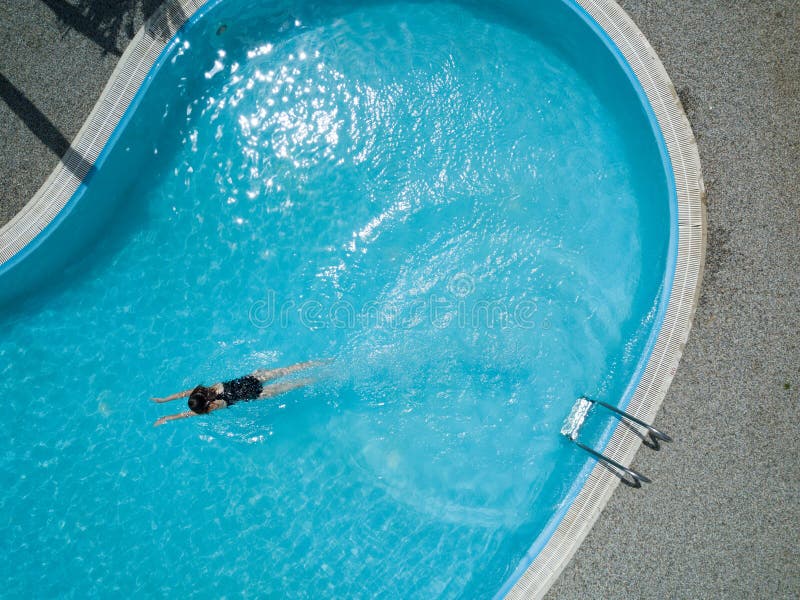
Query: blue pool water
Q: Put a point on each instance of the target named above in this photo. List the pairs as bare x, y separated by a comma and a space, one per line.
466, 210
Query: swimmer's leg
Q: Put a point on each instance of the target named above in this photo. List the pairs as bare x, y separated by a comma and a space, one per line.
276, 389
269, 374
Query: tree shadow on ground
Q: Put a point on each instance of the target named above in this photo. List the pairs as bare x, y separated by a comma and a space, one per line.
43, 128
111, 23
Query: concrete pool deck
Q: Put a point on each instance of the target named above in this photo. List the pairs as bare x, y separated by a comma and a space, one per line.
722, 517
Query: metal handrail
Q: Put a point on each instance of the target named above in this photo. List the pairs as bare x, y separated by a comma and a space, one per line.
637, 477
654, 433
575, 420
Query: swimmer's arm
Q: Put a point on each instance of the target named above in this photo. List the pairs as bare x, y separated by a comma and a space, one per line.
182, 415
182, 394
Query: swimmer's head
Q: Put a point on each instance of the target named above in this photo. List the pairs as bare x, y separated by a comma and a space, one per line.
200, 399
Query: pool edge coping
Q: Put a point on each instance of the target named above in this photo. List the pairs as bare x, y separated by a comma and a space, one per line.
673, 335
42, 213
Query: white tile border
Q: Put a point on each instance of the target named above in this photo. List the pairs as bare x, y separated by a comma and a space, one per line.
674, 333
142, 53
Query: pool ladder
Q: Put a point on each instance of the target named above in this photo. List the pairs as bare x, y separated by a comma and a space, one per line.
652, 438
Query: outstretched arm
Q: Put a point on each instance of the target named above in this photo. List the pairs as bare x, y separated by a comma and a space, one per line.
279, 388
182, 394
182, 415
269, 374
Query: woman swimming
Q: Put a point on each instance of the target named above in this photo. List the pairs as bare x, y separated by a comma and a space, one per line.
203, 400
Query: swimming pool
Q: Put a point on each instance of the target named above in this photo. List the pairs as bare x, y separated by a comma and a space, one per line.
475, 225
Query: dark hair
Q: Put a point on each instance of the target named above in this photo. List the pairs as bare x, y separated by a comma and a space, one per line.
200, 398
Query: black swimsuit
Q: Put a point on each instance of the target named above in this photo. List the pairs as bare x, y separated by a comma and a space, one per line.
240, 390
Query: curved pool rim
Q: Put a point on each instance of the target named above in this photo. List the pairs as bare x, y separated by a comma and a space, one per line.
554, 547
